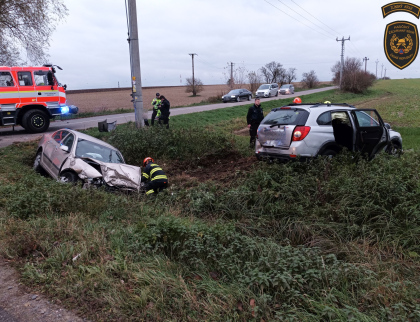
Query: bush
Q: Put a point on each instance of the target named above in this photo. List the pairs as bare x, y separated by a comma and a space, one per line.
355, 79
310, 80
173, 144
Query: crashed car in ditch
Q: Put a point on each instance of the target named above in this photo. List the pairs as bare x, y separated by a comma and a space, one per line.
73, 157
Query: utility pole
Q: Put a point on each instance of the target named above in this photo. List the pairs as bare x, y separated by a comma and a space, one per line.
193, 80
385, 73
231, 75
377, 61
365, 60
133, 41
382, 69
342, 57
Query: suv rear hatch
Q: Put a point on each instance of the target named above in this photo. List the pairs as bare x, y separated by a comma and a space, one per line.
277, 128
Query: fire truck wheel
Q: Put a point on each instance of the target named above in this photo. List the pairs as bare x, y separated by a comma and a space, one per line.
35, 121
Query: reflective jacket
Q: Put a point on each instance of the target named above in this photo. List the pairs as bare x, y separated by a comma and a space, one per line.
156, 103
153, 172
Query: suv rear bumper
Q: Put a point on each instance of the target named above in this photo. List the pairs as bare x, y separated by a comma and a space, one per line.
263, 156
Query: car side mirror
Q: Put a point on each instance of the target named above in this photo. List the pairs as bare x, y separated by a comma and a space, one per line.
64, 148
388, 126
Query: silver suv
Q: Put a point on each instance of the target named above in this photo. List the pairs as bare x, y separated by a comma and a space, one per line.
312, 129
267, 90
287, 89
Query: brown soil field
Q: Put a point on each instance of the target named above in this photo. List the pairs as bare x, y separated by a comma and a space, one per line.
112, 99
107, 99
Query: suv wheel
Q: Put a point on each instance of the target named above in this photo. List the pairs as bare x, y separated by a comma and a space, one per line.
329, 153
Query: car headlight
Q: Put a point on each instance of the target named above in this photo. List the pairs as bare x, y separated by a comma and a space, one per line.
233, 96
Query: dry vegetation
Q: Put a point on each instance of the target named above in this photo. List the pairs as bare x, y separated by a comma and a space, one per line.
120, 99
113, 99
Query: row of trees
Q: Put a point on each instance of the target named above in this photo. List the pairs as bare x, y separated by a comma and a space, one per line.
354, 79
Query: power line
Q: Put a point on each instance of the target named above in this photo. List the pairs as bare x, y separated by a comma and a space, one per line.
297, 19
315, 18
306, 18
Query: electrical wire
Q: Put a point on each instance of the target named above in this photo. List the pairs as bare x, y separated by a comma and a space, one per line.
297, 19
306, 18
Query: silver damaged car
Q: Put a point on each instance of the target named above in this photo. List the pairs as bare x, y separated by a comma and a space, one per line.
71, 156
310, 129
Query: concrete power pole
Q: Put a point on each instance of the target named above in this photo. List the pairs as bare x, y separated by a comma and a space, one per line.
382, 69
385, 73
231, 75
365, 60
193, 80
377, 61
133, 41
342, 57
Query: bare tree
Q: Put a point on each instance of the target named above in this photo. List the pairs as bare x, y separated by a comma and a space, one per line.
27, 24
273, 72
310, 80
355, 79
290, 75
239, 76
198, 84
254, 81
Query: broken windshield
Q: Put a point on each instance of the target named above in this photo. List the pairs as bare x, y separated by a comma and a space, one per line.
88, 149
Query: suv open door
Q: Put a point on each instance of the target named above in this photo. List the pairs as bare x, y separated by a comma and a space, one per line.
371, 134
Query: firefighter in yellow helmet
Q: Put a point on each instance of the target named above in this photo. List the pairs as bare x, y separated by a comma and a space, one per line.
154, 177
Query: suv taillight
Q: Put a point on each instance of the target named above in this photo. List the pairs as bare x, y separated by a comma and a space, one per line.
300, 133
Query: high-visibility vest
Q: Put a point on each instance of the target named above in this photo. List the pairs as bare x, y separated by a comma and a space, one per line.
155, 103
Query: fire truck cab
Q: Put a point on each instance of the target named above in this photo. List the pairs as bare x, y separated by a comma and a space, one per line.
31, 96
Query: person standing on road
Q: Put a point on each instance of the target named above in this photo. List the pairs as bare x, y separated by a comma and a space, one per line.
254, 117
164, 109
154, 177
155, 104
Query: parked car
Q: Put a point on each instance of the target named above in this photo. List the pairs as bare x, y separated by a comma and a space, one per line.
267, 90
308, 130
287, 89
74, 157
237, 95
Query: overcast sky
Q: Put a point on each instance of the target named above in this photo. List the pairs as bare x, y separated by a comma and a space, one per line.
91, 44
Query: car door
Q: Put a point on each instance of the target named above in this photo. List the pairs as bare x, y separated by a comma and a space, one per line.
371, 134
53, 156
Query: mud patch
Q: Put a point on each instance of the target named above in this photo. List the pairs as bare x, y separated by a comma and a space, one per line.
216, 168
242, 132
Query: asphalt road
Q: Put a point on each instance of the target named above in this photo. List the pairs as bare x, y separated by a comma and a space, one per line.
9, 136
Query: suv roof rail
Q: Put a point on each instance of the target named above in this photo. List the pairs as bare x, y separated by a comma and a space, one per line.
320, 104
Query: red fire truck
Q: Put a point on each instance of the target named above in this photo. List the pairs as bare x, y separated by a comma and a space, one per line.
31, 96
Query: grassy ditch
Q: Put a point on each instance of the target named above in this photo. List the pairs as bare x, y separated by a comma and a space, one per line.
327, 240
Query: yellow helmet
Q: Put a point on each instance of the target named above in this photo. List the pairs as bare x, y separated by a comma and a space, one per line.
327, 102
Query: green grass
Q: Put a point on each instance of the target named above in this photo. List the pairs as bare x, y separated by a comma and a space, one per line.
327, 240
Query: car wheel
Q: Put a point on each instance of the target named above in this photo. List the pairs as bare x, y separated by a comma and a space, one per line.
249, 97
35, 121
238, 99
68, 177
37, 164
394, 148
329, 153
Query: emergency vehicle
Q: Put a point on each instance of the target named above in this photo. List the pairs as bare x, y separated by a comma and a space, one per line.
31, 96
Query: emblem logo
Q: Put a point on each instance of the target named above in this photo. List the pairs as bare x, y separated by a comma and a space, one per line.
401, 43
401, 6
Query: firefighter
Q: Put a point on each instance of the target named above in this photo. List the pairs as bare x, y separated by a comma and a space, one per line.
155, 104
156, 180
254, 117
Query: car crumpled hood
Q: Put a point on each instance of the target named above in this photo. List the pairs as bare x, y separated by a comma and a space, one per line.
114, 174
